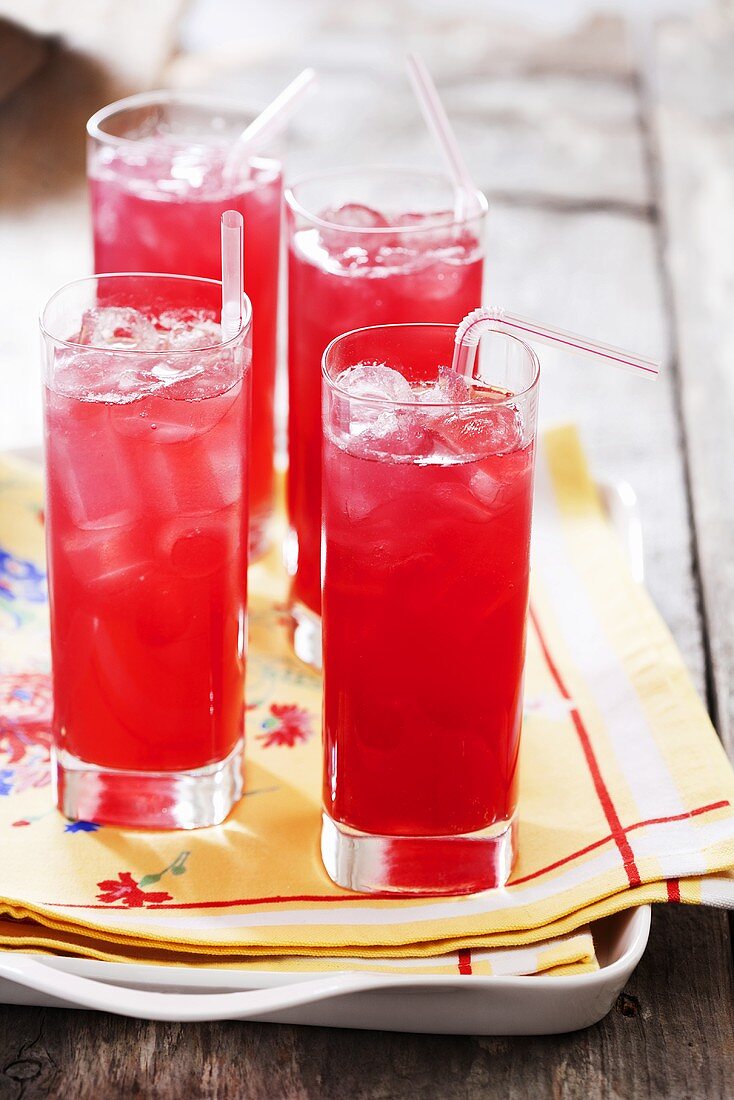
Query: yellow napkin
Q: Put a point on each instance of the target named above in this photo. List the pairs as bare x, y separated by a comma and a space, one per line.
625, 796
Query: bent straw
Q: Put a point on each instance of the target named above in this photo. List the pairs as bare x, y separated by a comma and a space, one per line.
438, 123
233, 282
475, 324
272, 119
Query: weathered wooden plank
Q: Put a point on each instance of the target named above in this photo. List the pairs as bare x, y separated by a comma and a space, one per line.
693, 116
553, 115
597, 273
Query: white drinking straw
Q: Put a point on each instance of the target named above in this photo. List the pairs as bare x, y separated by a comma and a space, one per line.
270, 121
475, 324
233, 281
438, 123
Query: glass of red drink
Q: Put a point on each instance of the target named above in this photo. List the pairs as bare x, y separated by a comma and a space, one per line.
366, 246
161, 174
146, 415
427, 506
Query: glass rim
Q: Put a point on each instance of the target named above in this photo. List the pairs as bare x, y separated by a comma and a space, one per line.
76, 346
297, 207
386, 401
162, 97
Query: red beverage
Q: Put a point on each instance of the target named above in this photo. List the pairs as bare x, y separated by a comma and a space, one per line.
157, 199
352, 265
147, 551
427, 514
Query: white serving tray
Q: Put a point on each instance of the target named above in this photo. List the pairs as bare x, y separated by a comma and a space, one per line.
462, 1004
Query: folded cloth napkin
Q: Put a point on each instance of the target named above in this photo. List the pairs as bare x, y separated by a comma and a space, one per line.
625, 794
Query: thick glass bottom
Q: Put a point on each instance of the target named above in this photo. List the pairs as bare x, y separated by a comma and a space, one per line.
418, 864
306, 633
146, 799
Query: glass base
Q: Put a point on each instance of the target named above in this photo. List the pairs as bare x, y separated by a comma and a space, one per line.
145, 799
418, 864
306, 635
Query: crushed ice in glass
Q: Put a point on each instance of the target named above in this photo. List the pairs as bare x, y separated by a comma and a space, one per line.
450, 388
187, 330
118, 328
356, 216
444, 421
97, 373
435, 254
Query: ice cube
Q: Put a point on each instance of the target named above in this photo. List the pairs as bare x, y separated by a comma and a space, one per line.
225, 470
354, 215
381, 421
375, 381
457, 500
480, 430
154, 421
108, 562
439, 234
183, 330
87, 374
376, 387
204, 473
484, 487
168, 372
88, 468
433, 279
118, 327
399, 434
198, 554
451, 386
173, 410
358, 248
132, 382
199, 546
415, 218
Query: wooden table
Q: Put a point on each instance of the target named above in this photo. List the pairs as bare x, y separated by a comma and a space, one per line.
611, 177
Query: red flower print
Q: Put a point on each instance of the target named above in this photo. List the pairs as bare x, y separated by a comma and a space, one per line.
25, 714
15, 738
128, 892
287, 725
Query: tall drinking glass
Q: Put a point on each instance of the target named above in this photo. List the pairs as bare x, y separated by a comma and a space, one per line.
427, 506
160, 177
147, 454
371, 246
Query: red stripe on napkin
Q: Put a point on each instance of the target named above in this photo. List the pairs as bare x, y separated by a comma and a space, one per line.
602, 791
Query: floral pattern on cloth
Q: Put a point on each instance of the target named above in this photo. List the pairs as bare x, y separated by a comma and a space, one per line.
21, 579
129, 892
287, 725
25, 732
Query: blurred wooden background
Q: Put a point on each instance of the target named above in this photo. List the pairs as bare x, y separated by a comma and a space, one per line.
603, 134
